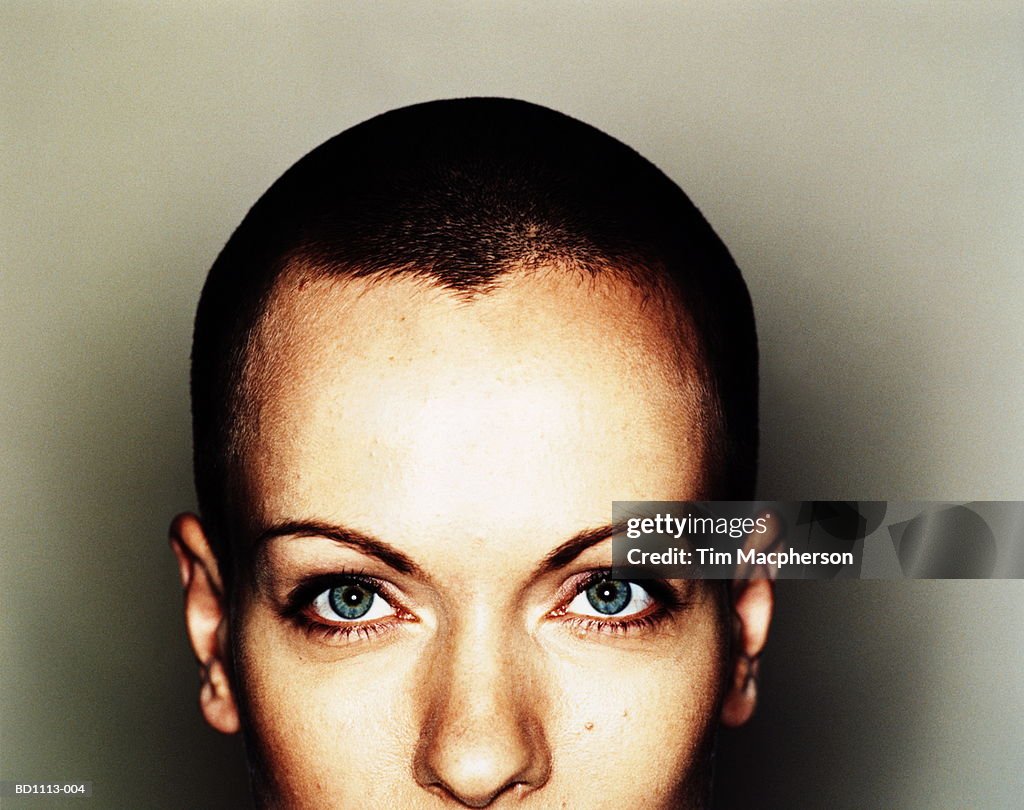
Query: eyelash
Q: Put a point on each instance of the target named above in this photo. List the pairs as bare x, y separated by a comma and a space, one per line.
298, 608
664, 602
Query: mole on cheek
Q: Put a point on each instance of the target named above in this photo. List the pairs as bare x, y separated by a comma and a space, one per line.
588, 726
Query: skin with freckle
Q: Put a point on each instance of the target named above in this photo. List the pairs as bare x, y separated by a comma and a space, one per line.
473, 437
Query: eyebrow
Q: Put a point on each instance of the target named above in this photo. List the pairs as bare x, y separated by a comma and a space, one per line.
577, 544
388, 554
359, 541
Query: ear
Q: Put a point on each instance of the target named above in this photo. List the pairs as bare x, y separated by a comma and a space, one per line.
206, 620
753, 602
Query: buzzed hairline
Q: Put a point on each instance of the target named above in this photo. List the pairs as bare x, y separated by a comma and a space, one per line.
679, 341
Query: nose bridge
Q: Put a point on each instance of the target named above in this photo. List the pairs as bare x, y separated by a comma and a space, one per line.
482, 731
482, 648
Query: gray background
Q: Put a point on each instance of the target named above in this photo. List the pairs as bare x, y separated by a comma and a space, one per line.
864, 162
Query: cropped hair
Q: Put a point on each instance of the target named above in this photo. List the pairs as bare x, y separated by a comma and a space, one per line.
460, 192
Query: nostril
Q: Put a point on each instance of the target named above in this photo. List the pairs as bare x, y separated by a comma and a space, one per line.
463, 799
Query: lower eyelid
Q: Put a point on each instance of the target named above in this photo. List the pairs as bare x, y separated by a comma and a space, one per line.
584, 625
347, 632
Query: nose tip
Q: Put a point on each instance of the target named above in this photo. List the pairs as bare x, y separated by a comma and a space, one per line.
478, 764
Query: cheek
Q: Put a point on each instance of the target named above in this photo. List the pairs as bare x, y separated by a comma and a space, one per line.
637, 719
642, 701
313, 725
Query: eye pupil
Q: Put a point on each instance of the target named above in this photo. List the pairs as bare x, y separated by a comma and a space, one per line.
351, 601
609, 596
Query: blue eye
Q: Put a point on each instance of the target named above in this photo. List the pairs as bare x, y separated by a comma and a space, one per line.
350, 601
610, 597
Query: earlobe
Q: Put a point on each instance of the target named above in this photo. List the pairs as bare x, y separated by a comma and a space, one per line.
206, 620
217, 700
753, 602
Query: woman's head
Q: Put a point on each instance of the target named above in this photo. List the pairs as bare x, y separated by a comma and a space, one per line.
417, 388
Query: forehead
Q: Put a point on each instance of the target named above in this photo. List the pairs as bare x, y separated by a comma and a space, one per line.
404, 410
